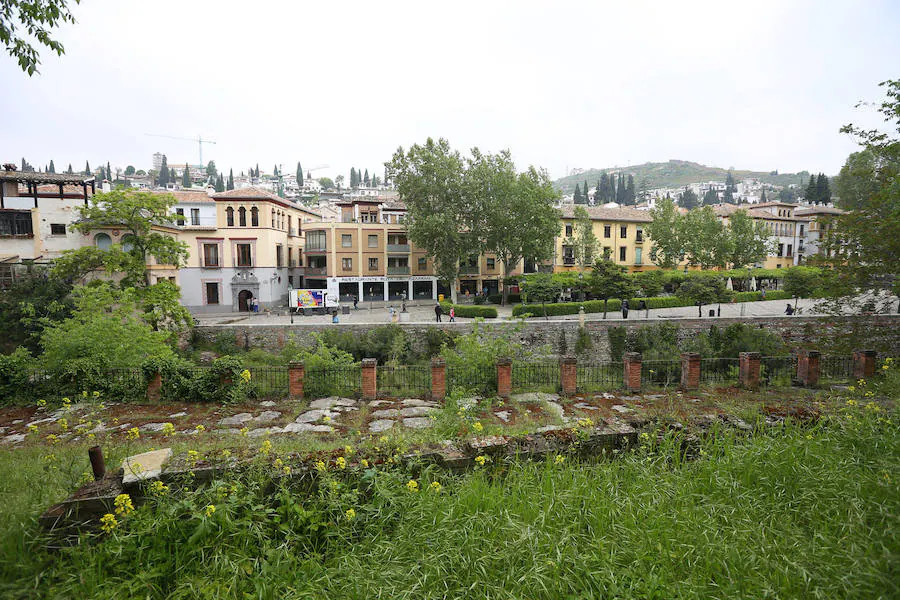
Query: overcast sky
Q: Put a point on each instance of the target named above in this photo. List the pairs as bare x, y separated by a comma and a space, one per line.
753, 85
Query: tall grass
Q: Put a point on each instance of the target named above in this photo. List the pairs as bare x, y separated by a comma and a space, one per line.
790, 512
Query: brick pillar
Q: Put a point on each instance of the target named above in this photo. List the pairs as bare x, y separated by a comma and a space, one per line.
808, 368
568, 375
154, 387
632, 371
504, 377
863, 364
690, 371
438, 378
369, 378
749, 368
296, 374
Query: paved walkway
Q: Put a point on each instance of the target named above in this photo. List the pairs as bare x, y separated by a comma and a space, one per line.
425, 314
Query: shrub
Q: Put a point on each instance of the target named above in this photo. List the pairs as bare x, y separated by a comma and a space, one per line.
617, 337
469, 311
498, 298
14, 373
226, 342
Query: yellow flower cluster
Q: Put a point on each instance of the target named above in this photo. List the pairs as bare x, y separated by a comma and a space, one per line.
266, 448
348, 450
435, 486
364, 463
412, 485
108, 522
585, 422
245, 431
560, 459
52, 439
350, 513
210, 509
481, 459
245, 376
63, 424
132, 434
41, 403
320, 466
199, 428
32, 429
158, 488
341, 462
193, 457
123, 505
478, 427
168, 429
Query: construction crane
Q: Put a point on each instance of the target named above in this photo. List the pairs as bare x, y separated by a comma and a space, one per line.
317, 168
200, 141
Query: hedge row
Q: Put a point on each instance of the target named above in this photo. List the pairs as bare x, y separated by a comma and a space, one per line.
596, 306
470, 311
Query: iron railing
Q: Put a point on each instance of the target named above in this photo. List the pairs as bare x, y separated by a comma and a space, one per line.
343, 380
837, 369
777, 371
269, 382
660, 373
399, 381
481, 379
720, 371
599, 377
535, 376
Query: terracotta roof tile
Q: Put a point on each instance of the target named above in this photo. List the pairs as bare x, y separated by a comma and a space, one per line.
598, 213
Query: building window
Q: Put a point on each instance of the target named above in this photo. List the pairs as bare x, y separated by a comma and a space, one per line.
242, 217
607, 252
279, 256
347, 264
212, 293
373, 264
568, 230
622, 251
373, 241
346, 240
180, 213
290, 281
211, 255
607, 231
103, 241
637, 256
57, 229
15, 223
315, 241
290, 256
254, 217
639, 235
623, 231
195, 216
790, 249
780, 249
229, 216
491, 263
244, 259
423, 263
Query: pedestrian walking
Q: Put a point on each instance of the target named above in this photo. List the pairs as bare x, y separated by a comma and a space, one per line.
355, 302
624, 309
789, 310
452, 314
438, 311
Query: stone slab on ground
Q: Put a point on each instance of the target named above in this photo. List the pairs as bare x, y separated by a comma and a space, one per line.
306, 428
418, 422
503, 415
311, 416
178, 414
261, 431
153, 427
386, 413
267, 416
238, 419
14, 438
331, 402
417, 402
268, 403
145, 466
534, 397
585, 406
380, 425
416, 411
619, 408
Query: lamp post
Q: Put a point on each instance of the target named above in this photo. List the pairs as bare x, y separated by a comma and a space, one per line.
581, 286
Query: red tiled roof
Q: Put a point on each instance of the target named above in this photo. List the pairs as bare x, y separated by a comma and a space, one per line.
598, 213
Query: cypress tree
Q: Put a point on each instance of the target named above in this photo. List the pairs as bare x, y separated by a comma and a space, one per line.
87, 167
612, 188
603, 190
172, 174
220, 183
163, 173
366, 180
275, 170
823, 190
762, 196
577, 195
24, 165
620, 189
51, 168
584, 193
186, 177
811, 195
108, 172
69, 170
353, 178
299, 175
230, 185
629, 191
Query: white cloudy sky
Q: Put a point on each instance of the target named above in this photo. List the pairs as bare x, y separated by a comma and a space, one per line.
761, 85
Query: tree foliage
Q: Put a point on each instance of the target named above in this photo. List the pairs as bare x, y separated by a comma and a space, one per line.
665, 232
749, 241
583, 241
25, 24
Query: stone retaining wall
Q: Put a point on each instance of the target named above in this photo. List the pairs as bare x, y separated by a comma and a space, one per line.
830, 335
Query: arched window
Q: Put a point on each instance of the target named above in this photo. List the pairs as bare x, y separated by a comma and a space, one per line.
103, 241
273, 219
254, 217
229, 216
242, 216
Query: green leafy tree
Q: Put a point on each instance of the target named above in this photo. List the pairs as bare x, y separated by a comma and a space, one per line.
230, 184
25, 24
186, 177
823, 189
137, 213
688, 199
430, 179
864, 244
339, 181
665, 232
163, 173
34, 299
129, 170
212, 173
802, 282
326, 183
540, 288
812, 191
583, 240
702, 291
710, 197
511, 213
609, 280
706, 243
750, 241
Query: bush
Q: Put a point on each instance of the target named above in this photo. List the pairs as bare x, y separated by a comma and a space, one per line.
14, 374
470, 312
617, 338
498, 298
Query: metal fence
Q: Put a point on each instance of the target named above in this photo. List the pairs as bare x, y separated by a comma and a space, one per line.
535, 376
599, 377
404, 380
838, 369
269, 382
720, 371
660, 373
481, 379
777, 371
343, 380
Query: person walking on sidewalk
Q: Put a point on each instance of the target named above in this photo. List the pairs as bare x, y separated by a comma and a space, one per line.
452, 314
438, 311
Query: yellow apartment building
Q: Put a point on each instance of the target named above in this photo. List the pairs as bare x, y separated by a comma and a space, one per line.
620, 237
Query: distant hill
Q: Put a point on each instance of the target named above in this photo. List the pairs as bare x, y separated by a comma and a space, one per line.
677, 173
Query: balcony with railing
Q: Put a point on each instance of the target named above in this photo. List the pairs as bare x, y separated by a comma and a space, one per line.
639, 239
316, 271
292, 232
398, 270
398, 248
568, 260
469, 270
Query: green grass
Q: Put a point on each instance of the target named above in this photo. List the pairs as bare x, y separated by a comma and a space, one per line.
792, 512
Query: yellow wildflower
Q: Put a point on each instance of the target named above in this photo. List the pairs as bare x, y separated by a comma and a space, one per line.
851, 402
364, 463
63, 424
168, 429
278, 463
326, 419
383, 439
123, 505
52, 439
477, 426
481, 459
50, 457
348, 450
66, 402
226, 453
41, 403
193, 456
560, 459
861, 382
286, 470
32, 429
320, 466
133, 434
108, 522
245, 375
266, 448
84, 393
435, 486
200, 428
245, 431
585, 422
351, 514
210, 509
158, 488
96, 394
91, 436
412, 485
341, 462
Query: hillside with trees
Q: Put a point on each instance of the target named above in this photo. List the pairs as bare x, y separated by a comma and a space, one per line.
676, 173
